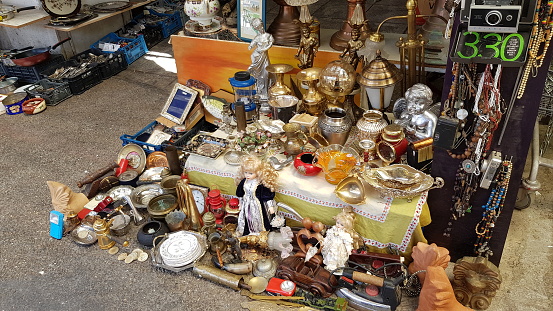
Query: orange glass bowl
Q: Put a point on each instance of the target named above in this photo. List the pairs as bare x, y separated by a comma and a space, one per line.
336, 162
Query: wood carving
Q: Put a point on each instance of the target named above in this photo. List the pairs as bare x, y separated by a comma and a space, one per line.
437, 293
64, 200
425, 255
476, 281
310, 237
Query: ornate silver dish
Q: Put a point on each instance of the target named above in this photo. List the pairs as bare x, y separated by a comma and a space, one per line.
401, 181
157, 259
142, 195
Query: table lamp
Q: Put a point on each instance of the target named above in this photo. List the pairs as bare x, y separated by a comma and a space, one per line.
379, 78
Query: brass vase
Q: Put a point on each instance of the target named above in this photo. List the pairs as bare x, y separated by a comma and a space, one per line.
339, 40
279, 87
284, 30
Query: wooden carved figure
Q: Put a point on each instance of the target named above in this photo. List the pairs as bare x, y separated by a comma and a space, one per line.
437, 293
425, 255
475, 282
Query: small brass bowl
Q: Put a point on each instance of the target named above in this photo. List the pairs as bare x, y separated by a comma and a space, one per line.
161, 205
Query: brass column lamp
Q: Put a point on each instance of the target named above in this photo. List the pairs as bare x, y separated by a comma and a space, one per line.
411, 50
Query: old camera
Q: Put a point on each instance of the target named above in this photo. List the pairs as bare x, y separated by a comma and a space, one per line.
499, 16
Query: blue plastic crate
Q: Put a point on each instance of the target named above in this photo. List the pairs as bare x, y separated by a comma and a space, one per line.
170, 24
143, 133
133, 49
113, 64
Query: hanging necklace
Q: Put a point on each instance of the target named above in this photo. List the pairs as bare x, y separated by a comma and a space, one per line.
492, 210
539, 41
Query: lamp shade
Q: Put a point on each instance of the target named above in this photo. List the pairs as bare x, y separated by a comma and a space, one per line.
379, 78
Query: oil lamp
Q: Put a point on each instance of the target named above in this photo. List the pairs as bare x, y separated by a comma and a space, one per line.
379, 78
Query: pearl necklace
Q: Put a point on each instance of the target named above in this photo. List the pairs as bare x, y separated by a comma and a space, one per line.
539, 41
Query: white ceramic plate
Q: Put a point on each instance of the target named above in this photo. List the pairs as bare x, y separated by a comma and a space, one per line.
61, 7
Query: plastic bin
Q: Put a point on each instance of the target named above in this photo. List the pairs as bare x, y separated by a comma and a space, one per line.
152, 34
140, 138
32, 74
114, 64
53, 92
80, 83
170, 24
133, 48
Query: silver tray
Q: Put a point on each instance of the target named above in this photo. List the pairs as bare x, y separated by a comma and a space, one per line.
157, 261
110, 6
206, 146
401, 181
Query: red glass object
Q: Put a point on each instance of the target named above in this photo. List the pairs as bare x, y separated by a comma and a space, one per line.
304, 164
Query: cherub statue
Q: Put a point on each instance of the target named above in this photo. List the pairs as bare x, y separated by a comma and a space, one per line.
257, 183
309, 42
260, 57
340, 240
413, 113
350, 55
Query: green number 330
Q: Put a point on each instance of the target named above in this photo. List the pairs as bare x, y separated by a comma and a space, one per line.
498, 52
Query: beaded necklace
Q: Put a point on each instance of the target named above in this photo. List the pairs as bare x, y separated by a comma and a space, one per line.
539, 41
487, 112
492, 210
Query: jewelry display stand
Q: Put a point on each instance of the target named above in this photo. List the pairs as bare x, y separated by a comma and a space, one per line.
516, 143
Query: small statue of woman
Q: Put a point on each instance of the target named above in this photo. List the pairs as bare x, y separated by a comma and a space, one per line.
340, 240
260, 57
257, 183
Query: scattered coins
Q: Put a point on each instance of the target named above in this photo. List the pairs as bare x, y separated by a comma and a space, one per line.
122, 256
82, 234
132, 257
143, 257
114, 250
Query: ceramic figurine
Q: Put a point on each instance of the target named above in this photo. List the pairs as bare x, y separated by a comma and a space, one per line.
257, 183
475, 282
340, 240
309, 42
260, 57
437, 294
350, 55
413, 113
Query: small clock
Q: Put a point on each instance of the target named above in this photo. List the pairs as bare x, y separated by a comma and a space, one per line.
200, 194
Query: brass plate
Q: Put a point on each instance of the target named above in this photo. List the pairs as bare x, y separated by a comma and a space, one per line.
157, 159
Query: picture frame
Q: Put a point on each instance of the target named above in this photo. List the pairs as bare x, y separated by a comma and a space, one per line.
248, 10
179, 103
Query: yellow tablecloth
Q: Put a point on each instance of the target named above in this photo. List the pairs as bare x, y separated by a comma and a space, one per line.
382, 222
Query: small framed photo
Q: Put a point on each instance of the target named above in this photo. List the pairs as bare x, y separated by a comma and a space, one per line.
180, 102
247, 11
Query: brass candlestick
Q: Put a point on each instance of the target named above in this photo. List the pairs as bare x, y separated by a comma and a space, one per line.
313, 100
339, 40
411, 50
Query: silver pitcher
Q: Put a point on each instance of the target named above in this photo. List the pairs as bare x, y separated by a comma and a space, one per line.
335, 125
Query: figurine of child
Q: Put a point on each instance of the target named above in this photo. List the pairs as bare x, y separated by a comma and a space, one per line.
413, 113
340, 240
309, 45
350, 55
262, 42
256, 186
